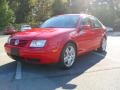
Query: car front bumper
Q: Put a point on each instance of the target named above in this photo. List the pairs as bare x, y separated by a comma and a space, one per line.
33, 55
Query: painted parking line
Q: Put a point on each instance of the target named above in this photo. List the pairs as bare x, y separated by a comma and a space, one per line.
18, 74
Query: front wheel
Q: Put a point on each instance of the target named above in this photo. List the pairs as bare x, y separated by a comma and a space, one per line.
68, 56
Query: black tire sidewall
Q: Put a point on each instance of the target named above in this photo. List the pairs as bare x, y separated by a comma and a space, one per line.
101, 48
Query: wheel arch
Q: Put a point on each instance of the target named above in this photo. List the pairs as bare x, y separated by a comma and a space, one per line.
70, 41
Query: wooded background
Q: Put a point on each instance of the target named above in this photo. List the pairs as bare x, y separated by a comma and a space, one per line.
34, 12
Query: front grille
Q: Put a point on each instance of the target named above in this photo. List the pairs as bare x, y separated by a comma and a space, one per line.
21, 43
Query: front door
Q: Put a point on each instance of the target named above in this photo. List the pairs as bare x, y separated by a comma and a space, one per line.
85, 37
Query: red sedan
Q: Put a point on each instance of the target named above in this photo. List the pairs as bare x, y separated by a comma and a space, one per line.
60, 40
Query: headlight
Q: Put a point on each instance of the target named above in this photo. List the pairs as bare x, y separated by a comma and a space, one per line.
38, 43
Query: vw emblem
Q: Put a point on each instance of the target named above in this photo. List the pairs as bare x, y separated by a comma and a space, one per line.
16, 42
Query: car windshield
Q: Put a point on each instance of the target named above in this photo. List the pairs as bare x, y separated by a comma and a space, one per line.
26, 26
63, 21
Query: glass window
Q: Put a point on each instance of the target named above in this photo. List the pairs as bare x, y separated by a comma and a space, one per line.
95, 23
63, 21
85, 21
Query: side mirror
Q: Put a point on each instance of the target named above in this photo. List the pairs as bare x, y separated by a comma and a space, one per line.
85, 27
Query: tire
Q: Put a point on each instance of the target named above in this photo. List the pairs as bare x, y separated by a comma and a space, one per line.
102, 46
68, 56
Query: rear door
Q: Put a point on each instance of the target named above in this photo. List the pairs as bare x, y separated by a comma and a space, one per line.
97, 29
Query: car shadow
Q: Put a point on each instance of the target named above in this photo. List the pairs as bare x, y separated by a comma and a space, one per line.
8, 68
59, 77
7, 73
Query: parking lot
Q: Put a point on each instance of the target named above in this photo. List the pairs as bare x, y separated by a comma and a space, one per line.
93, 71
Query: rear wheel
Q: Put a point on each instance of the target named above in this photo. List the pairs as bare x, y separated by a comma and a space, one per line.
68, 56
103, 46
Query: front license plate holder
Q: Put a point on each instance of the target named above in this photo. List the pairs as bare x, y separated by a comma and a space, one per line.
15, 51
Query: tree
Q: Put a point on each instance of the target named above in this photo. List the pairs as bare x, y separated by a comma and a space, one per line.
59, 7
108, 11
77, 6
23, 10
40, 11
6, 14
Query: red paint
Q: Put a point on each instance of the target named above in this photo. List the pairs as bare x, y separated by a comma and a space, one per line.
86, 40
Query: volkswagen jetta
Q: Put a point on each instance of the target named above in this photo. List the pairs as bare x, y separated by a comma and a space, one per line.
59, 39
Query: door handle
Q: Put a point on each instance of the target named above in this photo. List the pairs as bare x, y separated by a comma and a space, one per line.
82, 32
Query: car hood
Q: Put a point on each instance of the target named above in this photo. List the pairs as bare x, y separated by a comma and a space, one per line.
42, 33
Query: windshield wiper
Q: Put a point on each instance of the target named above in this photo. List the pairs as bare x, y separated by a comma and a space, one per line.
50, 27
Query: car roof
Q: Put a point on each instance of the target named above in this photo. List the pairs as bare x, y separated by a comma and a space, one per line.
81, 15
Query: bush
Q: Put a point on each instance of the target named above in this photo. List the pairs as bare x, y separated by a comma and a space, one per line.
6, 15
117, 25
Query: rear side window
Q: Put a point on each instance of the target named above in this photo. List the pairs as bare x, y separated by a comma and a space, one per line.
85, 21
95, 23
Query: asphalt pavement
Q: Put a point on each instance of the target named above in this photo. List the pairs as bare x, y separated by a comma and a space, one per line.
93, 71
